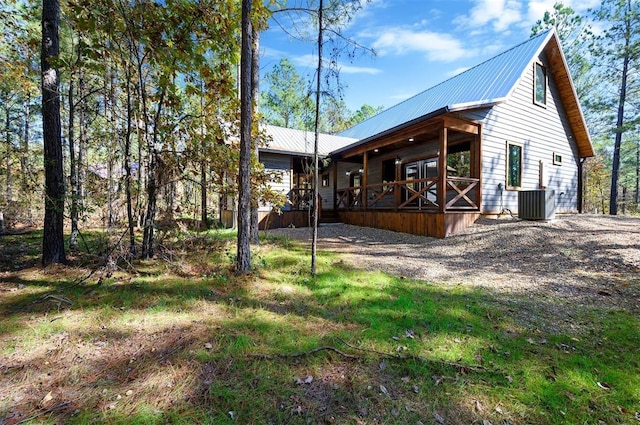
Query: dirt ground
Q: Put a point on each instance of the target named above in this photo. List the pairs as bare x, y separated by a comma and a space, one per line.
547, 271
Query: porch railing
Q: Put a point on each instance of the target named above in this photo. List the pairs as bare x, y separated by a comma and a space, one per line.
300, 199
463, 193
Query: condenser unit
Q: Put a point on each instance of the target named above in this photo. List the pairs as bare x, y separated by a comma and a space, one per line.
537, 204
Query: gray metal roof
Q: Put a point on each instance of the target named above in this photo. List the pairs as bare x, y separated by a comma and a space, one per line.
289, 140
486, 84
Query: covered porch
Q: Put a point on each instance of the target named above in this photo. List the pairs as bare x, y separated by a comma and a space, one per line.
423, 179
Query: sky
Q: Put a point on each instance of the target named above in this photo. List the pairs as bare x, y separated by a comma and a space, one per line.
417, 43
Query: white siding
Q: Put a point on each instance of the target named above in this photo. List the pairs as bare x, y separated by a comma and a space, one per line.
280, 165
542, 131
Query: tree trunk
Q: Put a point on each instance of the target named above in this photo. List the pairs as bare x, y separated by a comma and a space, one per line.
244, 176
24, 157
204, 165
149, 219
127, 169
615, 168
255, 96
314, 203
9, 185
82, 145
53, 237
73, 171
636, 195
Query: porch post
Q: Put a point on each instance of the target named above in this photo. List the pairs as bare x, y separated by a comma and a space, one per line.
477, 156
442, 169
365, 166
335, 185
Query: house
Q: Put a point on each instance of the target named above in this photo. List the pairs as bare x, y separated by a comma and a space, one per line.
434, 163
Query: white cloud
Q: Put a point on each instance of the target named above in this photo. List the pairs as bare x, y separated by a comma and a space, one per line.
348, 69
538, 7
500, 14
437, 46
311, 61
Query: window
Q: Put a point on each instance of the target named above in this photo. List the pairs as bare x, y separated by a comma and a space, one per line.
514, 165
388, 170
557, 159
325, 180
540, 90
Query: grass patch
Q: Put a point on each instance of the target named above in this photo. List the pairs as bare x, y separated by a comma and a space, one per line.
179, 339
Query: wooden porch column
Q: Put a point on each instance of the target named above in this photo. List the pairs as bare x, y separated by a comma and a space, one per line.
442, 169
335, 185
365, 165
477, 156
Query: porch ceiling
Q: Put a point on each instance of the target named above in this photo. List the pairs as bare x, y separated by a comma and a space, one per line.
422, 132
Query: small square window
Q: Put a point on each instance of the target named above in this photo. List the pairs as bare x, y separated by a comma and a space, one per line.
325, 180
514, 166
540, 87
557, 159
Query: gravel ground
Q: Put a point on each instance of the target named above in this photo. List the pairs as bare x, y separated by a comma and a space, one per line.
547, 269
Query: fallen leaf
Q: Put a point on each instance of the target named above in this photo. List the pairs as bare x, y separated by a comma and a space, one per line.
477, 406
604, 386
208, 346
409, 334
383, 389
486, 422
308, 380
395, 338
509, 379
45, 401
129, 392
531, 341
405, 379
438, 418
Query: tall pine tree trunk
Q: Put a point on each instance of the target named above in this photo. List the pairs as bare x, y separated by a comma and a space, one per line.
127, 170
24, 156
244, 177
9, 183
255, 98
53, 237
314, 203
615, 168
73, 171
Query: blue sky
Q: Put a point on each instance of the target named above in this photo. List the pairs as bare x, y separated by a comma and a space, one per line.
418, 43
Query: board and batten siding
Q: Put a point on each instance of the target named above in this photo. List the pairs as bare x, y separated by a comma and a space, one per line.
542, 131
280, 165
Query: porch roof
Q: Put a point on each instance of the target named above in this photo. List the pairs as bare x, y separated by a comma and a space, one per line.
300, 142
484, 85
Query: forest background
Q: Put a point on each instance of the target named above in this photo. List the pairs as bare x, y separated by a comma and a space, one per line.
150, 109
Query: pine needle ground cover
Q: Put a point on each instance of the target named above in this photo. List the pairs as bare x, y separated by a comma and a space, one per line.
180, 339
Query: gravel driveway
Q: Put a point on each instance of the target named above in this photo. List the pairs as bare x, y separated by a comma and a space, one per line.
550, 268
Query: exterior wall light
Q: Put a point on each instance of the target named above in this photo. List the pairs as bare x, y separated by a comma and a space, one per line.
398, 160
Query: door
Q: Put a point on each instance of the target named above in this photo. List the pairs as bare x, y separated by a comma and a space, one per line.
420, 170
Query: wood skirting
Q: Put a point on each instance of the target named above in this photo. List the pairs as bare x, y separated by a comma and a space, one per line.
416, 223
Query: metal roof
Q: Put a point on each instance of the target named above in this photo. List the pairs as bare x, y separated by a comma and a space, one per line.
290, 140
486, 84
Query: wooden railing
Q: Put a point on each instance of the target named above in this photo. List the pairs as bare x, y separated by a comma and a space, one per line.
464, 189
418, 194
300, 199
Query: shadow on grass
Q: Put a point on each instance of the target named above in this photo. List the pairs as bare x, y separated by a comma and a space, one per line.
184, 351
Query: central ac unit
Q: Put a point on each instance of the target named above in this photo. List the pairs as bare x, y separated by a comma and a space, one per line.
537, 204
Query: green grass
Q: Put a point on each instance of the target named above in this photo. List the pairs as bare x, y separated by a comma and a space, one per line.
187, 342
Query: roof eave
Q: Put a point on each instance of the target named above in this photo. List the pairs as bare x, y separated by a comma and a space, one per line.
366, 140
